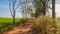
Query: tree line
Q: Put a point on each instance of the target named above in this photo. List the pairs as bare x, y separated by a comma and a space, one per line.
41, 6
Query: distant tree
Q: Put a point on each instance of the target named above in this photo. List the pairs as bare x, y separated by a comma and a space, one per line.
25, 6
30, 11
13, 6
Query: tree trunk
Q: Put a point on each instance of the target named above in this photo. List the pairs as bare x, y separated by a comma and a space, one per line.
36, 14
53, 16
13, 17
13, 20
53, 9
44, 7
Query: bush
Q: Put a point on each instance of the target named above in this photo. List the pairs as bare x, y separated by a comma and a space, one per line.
43, 24
22, 20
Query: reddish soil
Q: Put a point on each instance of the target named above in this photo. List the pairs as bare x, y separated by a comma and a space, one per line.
25, 28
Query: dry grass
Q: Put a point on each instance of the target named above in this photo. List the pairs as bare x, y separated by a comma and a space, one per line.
43, 24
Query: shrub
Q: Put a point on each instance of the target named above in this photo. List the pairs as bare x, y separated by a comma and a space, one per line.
22, 20
43, 24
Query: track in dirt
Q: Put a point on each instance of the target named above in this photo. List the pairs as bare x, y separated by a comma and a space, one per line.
25, 28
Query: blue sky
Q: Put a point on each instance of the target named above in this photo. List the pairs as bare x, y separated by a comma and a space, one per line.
4, 9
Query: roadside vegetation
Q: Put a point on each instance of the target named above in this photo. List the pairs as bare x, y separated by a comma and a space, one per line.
7, 23
58, 24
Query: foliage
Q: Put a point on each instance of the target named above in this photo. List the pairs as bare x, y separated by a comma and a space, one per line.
33, 14
26, 8
41, 7
23, 20
43, 24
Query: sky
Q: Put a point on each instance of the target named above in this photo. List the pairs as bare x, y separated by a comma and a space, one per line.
4, 9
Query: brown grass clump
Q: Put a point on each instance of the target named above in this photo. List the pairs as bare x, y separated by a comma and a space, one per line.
43, 24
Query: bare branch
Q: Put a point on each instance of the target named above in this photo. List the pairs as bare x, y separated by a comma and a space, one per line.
17, 5
10, 7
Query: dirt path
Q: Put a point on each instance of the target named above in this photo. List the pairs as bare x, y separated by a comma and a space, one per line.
25, 28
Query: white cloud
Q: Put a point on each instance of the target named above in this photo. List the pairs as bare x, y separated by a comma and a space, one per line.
57, 10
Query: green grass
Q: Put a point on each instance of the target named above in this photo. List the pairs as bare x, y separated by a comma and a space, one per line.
8, 19
7, 23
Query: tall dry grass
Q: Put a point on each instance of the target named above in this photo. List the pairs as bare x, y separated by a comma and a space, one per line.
43, 24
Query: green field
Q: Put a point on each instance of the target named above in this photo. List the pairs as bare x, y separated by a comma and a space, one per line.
7, 23
8, 19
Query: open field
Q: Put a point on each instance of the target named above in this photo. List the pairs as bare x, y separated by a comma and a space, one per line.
8, 19
7, 23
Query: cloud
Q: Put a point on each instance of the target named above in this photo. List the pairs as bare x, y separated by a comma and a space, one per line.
57, 9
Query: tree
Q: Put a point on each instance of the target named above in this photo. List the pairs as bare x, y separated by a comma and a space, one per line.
53, 15
53, 8
25, 6
30, 11
41, 7
38, 8
13, 7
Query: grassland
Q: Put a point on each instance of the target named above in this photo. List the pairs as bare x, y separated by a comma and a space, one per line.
58, 24
8, 19
7, 23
